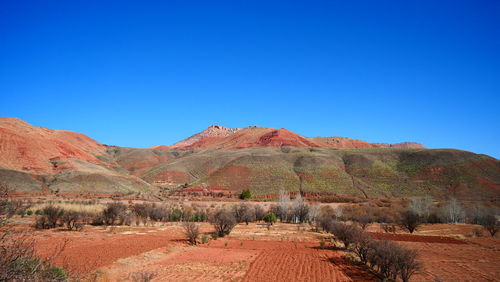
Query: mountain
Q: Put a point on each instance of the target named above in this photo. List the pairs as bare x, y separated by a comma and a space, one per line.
40, 159
223, 138
264, 160
211, 131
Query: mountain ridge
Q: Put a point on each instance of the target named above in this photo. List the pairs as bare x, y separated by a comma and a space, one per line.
265, 160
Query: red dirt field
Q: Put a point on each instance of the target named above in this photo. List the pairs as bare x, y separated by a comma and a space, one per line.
286, 252
99, 247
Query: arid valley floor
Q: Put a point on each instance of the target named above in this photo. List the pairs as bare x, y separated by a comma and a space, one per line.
254, 252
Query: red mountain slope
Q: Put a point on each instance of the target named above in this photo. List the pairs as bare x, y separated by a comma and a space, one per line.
218, 137
25, 147
254, 137
211, 131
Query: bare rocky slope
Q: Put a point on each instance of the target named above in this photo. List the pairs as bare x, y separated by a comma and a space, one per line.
264, 160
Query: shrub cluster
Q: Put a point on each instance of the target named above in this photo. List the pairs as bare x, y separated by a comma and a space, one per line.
52, 217
387, 258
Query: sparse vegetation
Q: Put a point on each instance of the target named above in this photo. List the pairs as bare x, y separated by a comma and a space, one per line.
246, 194
223, 222
490, 223
409, 220
191, 231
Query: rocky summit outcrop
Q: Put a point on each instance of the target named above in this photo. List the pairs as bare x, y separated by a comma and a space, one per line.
211, 131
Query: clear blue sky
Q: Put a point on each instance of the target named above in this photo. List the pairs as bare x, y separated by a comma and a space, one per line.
142, 73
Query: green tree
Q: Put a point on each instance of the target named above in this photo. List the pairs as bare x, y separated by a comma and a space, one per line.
270, 218
245, 194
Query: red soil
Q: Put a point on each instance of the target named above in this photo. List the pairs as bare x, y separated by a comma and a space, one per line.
451, 262
39, 150
295, 261
92, 250
269, 137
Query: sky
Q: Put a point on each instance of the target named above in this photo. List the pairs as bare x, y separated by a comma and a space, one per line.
143, 73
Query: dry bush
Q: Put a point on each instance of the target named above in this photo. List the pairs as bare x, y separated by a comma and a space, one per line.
244, 213
192, 232
388, 227
344, 233
259, 212
363, 221
381, 258
490, 223
49, 217
72, 220
361, 246
392, 260
453, 212
409, 220
406, 263
18, 260
142, 276
112, 212
299, 209
223, 222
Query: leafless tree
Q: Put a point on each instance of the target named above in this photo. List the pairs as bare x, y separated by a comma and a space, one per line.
259, 212
406, 263
421, 206
223, 222
363, 221
283, 205
313, 215
300, 209
244, 213
454, 211
361, 246
339, 213
112, 212
192, 231
490, 223
72, 220
409, 220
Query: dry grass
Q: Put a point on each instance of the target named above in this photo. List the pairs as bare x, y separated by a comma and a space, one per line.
91, 209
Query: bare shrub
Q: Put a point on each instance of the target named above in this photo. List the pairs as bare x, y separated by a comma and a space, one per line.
421, 206
299, 209
244, 213
18, 260
344, 233
388, 227
409, 220
72, 220
49, 217
223, 222
405, 263
192, 232
283, 206
454, 211
363, 221
259, 212
382, 257
142, 276
361, 246
112, 212
476, 233
490, 223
